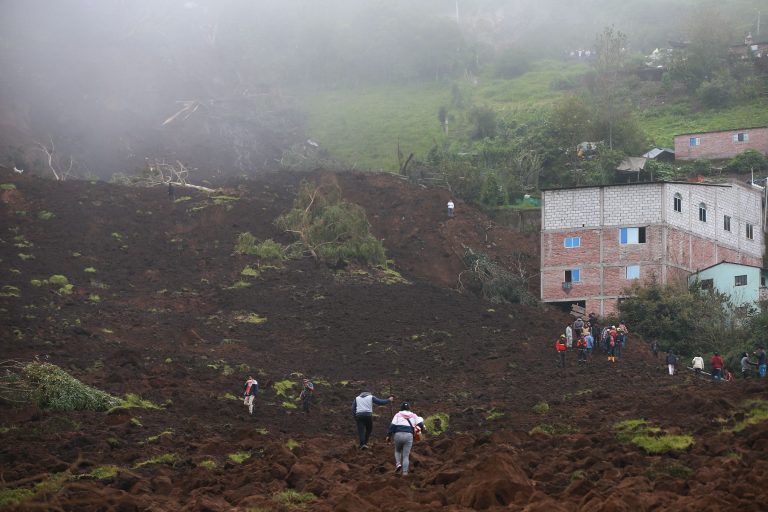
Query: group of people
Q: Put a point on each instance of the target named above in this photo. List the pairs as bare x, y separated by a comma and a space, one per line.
719, 371
405, 427
587, 335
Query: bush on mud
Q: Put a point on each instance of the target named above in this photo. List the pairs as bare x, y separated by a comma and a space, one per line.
329, 228
266, 250
52, 388
437, 424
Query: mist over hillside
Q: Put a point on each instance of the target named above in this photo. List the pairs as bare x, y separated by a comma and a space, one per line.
115, 84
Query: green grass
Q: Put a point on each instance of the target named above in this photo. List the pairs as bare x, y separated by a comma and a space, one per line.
166, 458
552, 429
101, 473
662, 123
208, 464
156, 438
293, 498
541, 408
7, 186
238, 285
250, 318
437, 423
239, 457
493, 415
49, 486
653, 440
282, 387
45, 215
291, 444
756, 411
249, 271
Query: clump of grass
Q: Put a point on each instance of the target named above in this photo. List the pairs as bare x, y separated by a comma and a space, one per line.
156, 438
552, 429
20, 495
166, 458
239, 457
282, 387
102, 473
541, 408
266, 250
89, 270
7, 186
437, 424
250, 318
756, 411
116, 236
38, 282
94, 297
664, 471
230, 396
652, 440
45, 215
208, 464
237, 285
10, 291
493, 414
25, 257
183, 199
261, 431
289, 405
133, 401
249, 271
291, 444
391, 276
289, 497
58, 280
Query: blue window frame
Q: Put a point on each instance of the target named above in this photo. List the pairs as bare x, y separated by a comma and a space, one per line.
695, 141
572, 242
631, 236
572, 275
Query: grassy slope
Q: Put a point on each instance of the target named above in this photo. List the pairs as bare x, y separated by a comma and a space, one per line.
362, 127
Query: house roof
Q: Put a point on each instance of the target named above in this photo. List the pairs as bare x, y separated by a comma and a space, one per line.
632, 164
721, 131
635, 183
724, 262
658, 151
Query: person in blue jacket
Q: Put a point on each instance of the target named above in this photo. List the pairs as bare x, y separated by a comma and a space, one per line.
362, 411
402, 430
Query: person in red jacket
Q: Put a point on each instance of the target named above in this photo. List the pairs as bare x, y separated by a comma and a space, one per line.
717, 366
561, 347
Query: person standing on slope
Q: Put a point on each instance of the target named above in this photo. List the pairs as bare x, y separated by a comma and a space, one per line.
761, 366
671, 362
403, 431
307, 395
561, 347
362, 411
698, 364
249, 393
568, 336
717, 366
450, 208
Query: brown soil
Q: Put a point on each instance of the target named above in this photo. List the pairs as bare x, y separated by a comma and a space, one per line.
166, 328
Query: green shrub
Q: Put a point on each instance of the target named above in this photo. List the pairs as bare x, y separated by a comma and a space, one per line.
291, 444
329, 228
58, 280
437, 424
52, 388
208, 464
239, 457
541, 408
249, 271
283, 387
266, 250
44, 215
89, 270
749, 160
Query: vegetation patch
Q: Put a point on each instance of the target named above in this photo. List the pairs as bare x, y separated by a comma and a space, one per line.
238, 285
652, 440
133, 401
156, 438
89, 270
223, 366
239, 457
291, 444
51, 388
102, 473
251, 246
94, 297
541, 408
45, 215
9, 291
250, 318
20, 495
25, 257
283, 387
493, 415
555, 429
437, 424
166, 458
250, 272
291, 498
7, 186
664, 471
755, 411
208, 464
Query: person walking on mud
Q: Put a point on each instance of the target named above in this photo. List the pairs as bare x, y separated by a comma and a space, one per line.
307, 395
249, 393
404, 429
581, 347
671, 362
561, 347
450, 208
362, 411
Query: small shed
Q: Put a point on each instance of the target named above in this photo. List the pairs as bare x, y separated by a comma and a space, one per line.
660, 155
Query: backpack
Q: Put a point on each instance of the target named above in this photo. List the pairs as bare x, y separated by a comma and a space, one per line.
416, 431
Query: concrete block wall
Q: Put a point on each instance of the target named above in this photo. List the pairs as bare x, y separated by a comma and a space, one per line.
720, 144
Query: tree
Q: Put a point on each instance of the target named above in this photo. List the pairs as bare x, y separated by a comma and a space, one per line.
611, 48
329, 228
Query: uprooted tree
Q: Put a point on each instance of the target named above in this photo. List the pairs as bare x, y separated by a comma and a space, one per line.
491, 281
158, 174
329, 228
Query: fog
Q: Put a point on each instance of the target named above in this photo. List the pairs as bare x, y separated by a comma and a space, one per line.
117, 83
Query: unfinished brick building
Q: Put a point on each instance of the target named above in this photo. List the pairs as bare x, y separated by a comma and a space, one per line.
598, 241
720, 144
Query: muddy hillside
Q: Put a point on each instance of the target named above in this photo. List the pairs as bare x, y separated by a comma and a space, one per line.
144, 298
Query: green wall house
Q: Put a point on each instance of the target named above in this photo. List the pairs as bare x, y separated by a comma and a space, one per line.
745, 284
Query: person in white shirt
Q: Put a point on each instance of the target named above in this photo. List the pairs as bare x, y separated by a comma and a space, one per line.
450, 208
698, 364
405, 425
